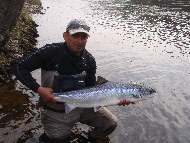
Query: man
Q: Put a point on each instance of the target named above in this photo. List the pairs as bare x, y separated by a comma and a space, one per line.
64, 67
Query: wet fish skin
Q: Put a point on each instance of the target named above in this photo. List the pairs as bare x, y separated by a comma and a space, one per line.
101, 95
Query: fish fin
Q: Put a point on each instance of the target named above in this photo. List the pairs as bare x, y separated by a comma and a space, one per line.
97, 108
68, 108
101, 80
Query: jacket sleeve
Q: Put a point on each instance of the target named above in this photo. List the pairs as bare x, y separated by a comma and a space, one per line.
22, 69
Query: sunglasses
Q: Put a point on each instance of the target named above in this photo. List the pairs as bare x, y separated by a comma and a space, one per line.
76, 26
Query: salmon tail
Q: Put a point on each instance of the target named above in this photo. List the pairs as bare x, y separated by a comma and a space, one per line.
101, 80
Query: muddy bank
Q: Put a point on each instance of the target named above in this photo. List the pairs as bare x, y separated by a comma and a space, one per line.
22, 41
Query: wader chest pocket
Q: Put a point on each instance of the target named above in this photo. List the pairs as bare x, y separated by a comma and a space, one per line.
64, 83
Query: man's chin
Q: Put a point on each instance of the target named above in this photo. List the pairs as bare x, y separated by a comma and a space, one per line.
79, 49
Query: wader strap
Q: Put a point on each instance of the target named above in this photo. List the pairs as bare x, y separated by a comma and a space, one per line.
85, 66
59, 57
84, 56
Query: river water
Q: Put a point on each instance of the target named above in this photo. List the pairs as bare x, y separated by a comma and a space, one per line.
131, 43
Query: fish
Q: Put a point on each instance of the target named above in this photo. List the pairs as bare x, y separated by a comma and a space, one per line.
104, 94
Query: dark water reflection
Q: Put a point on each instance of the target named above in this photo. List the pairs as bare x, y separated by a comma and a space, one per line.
152, 23
145, 43
177, 4
18, 114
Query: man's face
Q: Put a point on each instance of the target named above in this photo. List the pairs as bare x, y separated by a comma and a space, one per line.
76, 42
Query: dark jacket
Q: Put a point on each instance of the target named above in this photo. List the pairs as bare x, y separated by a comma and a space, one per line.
45, 58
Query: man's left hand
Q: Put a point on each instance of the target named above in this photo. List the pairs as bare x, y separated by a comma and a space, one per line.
124, 102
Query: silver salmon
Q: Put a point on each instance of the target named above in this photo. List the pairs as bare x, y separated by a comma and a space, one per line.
107, 94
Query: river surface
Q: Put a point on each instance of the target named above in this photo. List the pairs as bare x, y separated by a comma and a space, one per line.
131, 42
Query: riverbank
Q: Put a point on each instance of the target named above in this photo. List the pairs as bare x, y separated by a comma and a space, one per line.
22, 40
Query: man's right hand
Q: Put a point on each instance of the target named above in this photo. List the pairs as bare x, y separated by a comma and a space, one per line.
47, 95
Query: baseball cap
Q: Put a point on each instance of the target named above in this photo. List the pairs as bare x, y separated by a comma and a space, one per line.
76, 26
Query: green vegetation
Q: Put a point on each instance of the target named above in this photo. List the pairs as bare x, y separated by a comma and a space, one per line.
2, 60
34, 2
15, 48
17, 31
23, 21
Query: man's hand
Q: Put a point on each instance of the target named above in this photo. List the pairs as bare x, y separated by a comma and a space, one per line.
47, 95
124, 102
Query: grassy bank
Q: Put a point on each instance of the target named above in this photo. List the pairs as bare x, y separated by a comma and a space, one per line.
18, 31
22, 39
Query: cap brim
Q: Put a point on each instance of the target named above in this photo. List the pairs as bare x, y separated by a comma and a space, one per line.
73, 31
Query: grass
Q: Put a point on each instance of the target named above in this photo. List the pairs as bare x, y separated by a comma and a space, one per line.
34, 2
18, 29
2, 61
19, 32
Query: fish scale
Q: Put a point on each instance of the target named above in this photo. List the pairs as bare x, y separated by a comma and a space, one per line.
106, 94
